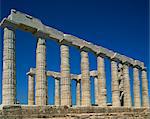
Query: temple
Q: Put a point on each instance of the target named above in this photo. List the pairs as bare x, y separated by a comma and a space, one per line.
120, 64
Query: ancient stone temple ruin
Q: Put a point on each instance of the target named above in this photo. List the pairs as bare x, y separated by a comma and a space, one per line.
38, 107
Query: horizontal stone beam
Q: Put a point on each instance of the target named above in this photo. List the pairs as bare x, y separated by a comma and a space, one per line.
30, 24
58, 75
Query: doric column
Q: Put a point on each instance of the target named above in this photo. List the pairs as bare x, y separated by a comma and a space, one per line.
137, 102
30, 89
145, 97
9, 68
126, 78
96, 87
121, 83
65, 76
41, 79
85, 79
78, 94
102, 99
115, 84
57, 91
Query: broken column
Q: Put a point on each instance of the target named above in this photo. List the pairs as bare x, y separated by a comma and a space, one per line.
30, 89
57, 91
145, 97
136, 86
115, 84
41, 79
102, 99
86, 98
65, 76
9, 68
78, 94
126, 78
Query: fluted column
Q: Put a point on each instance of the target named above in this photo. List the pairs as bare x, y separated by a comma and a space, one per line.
121, 83
41, 79
115, 84
145, 97
137, 102
57, 91
102, 99
65, 76
127, 95
96, 87
86, 98
30, 89
9, 68
78, 94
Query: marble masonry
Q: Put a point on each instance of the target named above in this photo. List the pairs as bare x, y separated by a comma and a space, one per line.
121, 106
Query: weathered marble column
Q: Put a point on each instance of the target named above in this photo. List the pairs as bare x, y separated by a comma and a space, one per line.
78, 94
102, 99
57, 92
126, 78
9, 68
145, 97
65, 76
86, 98
121, 83
41, 79
96, 87
137, 100
115, 84
31, 89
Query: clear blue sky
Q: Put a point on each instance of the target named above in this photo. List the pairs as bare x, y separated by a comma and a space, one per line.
120, 25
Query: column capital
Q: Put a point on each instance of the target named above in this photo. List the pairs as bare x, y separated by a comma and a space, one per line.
114, 58
40, 34
126, 63
138, 64
78, 81
6, 23
101, 55
144, 69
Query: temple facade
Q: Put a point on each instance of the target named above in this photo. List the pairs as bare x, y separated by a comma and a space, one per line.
120, 64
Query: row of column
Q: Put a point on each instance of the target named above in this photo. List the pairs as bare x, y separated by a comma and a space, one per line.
9, 77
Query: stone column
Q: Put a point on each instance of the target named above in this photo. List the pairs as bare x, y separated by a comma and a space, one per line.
121, 83
9, 68
115, 84
65, 76
78, 94
127, 95
145, 97
30, 89
85, 78
96, 87
57, 91
102, 99
137, 102
41, 79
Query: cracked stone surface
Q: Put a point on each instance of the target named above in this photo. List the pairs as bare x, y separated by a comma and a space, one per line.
137, 101
41, 79
9, 68
85, 101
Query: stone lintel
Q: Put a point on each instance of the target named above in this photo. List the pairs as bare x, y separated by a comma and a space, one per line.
30, 24
57, 75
